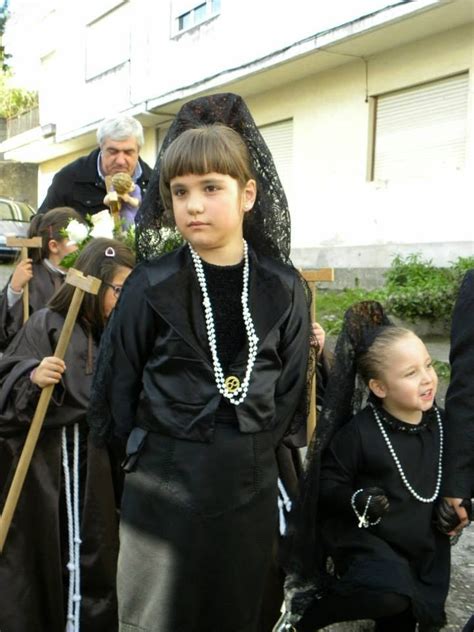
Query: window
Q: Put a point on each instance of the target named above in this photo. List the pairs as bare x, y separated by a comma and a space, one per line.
189, 13
279, 138
420, 131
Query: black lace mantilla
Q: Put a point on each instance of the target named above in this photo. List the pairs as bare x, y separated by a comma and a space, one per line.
267, 227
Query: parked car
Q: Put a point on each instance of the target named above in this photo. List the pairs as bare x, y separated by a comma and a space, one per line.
14, 221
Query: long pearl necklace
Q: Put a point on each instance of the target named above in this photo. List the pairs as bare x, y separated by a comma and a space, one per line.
399, 466
230, 388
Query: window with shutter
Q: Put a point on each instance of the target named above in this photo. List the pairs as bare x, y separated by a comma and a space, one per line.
421, 131
279, 138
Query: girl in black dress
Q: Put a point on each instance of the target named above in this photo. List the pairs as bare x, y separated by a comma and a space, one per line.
204, 370
373, 481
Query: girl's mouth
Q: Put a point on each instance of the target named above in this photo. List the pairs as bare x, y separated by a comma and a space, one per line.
427, 394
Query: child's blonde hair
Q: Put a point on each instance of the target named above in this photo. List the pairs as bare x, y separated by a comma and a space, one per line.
211, 148
372, 362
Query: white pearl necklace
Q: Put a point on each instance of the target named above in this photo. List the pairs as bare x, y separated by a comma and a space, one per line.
252, 338
399, 466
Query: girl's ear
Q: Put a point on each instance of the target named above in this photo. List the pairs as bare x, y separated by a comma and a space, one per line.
249, 194
378, 388
53, 246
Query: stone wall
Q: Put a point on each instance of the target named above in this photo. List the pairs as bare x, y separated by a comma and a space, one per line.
19, 181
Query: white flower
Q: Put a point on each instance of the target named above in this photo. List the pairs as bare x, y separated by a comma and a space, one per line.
76, 231
102, 225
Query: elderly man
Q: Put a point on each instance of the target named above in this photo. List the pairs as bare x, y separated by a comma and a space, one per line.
81, 184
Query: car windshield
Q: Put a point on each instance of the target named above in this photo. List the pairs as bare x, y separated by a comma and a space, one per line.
5, 211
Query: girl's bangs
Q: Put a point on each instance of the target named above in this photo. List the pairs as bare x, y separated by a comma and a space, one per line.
200, 155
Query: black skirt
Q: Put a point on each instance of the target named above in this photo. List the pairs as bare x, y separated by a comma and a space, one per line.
197, 526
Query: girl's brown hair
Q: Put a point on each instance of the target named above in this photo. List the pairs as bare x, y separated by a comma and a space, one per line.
210, 148
101, 258
49, 226
372, 362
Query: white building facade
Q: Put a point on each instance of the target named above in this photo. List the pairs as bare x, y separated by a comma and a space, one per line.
368, 106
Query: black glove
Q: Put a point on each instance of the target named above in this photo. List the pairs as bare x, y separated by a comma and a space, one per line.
445, 517
378, 502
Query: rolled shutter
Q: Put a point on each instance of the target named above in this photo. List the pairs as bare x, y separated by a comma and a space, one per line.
422, 130
279, 138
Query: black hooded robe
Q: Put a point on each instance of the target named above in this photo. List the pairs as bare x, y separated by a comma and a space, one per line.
41, 288
33, 575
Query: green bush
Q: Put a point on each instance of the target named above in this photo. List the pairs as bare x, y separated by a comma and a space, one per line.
415, 288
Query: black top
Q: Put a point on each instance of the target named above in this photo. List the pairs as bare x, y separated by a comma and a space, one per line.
155, 369
224, 286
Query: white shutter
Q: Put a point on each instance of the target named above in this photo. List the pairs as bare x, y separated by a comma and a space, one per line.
422, 130
279, 138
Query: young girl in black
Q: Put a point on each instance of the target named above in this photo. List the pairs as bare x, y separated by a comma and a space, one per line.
57, 570
204, 370
372, 482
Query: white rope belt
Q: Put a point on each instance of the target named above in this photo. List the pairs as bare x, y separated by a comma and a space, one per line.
73, 528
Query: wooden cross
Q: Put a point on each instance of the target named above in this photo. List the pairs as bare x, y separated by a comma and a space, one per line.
25, 243
312, 277
82, 285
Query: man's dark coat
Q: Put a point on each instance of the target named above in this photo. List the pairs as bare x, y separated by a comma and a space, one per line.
79, 185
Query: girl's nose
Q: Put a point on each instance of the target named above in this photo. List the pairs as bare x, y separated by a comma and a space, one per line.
195, 204
427, 375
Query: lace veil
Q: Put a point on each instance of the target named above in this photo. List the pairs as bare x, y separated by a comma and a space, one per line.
268, 227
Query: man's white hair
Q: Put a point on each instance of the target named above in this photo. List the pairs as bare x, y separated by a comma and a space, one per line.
120, 127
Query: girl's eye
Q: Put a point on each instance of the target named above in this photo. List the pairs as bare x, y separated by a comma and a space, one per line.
178, 192
210, 188
410, 373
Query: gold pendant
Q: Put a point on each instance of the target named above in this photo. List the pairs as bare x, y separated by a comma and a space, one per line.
232, 383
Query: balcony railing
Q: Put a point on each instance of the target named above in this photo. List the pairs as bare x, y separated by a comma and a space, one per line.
23, 122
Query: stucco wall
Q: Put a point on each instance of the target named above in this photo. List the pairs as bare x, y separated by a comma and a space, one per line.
334, 208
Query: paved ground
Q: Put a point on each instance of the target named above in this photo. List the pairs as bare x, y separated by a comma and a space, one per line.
461, 598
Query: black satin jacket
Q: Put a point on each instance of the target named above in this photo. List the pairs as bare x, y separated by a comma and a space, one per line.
159, 374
